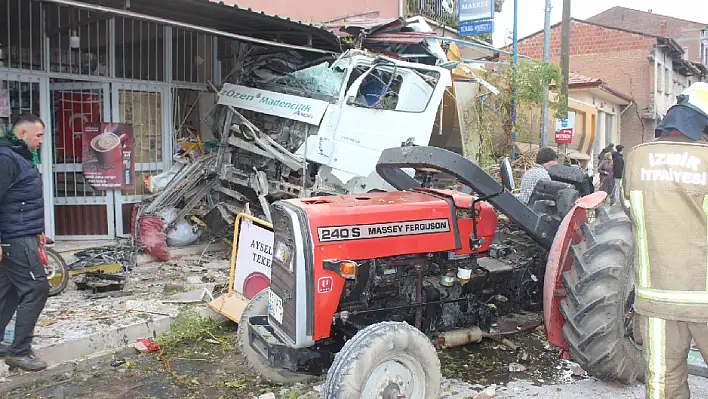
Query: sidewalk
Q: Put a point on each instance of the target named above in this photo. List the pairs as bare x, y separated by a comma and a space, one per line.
76, 325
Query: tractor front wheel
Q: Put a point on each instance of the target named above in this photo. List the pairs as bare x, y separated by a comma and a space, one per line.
601, 328
258, 306
385, 360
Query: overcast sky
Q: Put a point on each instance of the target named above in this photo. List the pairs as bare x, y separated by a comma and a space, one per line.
531, 13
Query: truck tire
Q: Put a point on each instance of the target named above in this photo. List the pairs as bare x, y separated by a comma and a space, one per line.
257, 306
382, 361
599, 298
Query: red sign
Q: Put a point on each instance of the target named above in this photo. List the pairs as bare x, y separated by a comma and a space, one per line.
325, 285
108, 162
75, 110
564, 136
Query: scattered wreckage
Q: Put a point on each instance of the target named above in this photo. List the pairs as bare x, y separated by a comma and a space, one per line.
316, 130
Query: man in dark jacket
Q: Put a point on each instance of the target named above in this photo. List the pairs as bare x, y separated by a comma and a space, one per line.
23, 279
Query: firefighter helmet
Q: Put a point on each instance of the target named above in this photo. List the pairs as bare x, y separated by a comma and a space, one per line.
690, 113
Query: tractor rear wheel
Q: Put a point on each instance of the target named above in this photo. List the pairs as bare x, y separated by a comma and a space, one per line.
385, 360
601, 329
258, 306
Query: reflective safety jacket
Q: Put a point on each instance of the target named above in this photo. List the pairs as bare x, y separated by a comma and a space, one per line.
665, 192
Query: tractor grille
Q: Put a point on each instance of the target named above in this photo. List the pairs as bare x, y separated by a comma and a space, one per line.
282, 281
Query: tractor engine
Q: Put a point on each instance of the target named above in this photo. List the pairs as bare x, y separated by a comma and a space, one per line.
441, 292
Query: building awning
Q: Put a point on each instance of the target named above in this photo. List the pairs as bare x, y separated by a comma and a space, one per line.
225, 18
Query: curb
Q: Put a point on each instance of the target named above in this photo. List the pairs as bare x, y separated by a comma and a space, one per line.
97, 345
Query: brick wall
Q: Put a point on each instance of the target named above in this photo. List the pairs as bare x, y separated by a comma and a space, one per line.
586, 39
686, 33
618, 58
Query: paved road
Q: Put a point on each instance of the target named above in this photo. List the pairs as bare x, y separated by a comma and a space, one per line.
586, 389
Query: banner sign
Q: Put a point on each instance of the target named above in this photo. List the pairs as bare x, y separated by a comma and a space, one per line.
564, 136
475, 27
301, 109
475, 10
565, 129
107, 161
253, 259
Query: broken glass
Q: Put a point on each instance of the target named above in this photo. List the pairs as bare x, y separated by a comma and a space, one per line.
318, 79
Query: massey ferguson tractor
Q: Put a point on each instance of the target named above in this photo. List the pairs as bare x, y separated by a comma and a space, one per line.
362, 285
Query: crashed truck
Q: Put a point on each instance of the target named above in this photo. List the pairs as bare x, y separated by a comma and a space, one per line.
320, 130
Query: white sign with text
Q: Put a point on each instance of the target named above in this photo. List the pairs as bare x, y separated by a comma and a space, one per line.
301, 109
253, 259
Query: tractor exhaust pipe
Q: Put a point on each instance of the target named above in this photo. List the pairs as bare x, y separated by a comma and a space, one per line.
464, 336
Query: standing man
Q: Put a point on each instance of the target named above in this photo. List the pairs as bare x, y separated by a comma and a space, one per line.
618, 167
23, 280
665, 191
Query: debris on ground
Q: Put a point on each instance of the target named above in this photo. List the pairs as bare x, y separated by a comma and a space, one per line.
150, 291
577, 370
98, 282
487, 393
516, 368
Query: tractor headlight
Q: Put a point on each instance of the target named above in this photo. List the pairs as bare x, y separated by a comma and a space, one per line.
283, 254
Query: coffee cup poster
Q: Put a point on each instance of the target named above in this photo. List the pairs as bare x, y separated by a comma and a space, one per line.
107, 162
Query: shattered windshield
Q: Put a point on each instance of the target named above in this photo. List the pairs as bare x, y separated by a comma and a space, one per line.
316, 81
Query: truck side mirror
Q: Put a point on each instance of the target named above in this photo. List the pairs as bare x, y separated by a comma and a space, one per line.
507, 175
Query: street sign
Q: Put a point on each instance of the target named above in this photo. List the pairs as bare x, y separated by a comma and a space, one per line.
475, 10
564, 136
475, 27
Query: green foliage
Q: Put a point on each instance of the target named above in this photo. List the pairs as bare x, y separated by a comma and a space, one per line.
188, 327
530, 77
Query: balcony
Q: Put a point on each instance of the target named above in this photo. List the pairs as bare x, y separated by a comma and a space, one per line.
443, 11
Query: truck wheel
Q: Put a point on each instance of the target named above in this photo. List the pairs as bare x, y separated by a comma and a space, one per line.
598, 309
258, 306
385, 360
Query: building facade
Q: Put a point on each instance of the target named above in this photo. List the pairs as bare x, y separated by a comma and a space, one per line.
83, 62
688, 34
650, 69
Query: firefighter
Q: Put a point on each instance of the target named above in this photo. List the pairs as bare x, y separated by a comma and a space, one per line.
665, 192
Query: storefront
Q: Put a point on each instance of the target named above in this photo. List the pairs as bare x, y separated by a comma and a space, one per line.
77, 63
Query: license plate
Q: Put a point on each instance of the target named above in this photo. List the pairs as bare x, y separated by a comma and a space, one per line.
275, 306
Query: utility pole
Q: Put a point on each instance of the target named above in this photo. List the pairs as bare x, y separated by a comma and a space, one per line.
546, 58
513, 83
565, 58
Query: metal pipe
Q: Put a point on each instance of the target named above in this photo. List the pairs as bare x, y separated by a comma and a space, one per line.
565, 59
513, 83
401, 12
215, 32
546, 58
471, 44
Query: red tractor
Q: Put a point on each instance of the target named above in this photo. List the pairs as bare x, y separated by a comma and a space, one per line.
361, 284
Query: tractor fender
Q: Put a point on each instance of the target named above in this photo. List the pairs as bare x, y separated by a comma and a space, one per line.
560, 261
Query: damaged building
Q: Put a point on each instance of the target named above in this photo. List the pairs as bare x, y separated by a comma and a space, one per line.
229, 109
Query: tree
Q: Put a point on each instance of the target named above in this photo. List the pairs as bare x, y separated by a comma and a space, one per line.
491, 115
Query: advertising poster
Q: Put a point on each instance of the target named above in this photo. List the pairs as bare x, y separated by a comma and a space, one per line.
108, 162
253, 259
